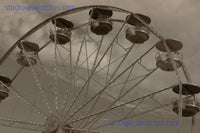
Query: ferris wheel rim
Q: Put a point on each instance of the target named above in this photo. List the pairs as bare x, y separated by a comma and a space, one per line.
78, 9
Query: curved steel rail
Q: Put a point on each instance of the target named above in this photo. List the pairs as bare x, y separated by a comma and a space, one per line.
58, 15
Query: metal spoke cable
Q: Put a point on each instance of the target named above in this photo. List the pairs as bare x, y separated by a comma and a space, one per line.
94, 71
114, 61
22, 122
123, 117
104, 125
80, 130
121, 96
119, 93
130, 80
55, 68
97, 54
45, 45
36, 80
112, 81
67, 86
24, 128
117, 106
16, 75
121, 62
109, 61
40, 88
16, 93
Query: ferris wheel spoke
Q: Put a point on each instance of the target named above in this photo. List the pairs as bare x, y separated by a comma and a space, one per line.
45, 45
142, 113
133, 109
143, 66
63, 64
21, 122
120, 105
88, 68
35, 76
22, 128
23, 99
121, 63
88, 73
80, 130
76, 64
121, 96
133, 87
126, 81
97, 54
46, 74
120, 45
109, 61
102, 85
92, 121
26, 101
67, 50
96, 57
130, 80
73, 73
87, 58
94, 71
101, 115
156, 108
79, 53
67, 76
156, 101
76, 97
126, 116
96, 119
41, 90
17, 74
55, 79
102, 90
43, 68
114, 61
110, 106
89, 123
55, 69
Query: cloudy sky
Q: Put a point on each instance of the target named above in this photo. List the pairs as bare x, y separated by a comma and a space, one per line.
176, 19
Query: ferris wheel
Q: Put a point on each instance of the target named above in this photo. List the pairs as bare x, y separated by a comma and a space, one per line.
82, 68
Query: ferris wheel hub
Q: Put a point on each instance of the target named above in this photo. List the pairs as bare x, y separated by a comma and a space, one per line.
52, 124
